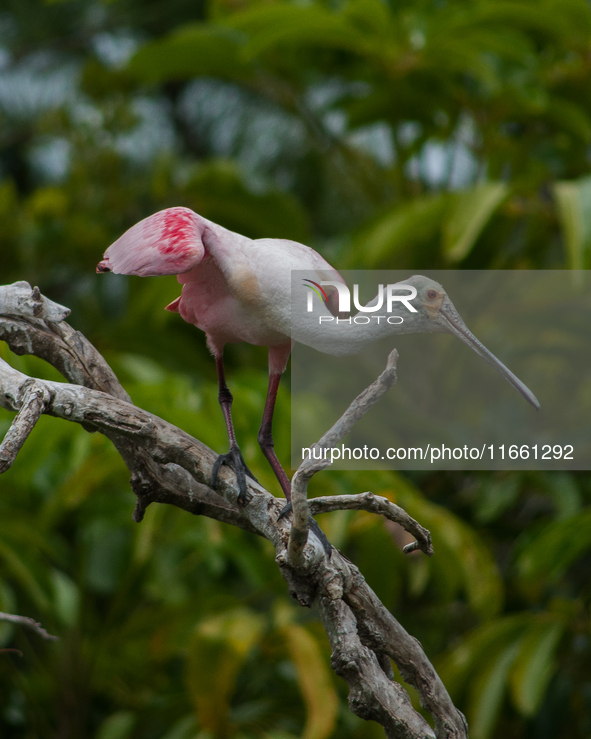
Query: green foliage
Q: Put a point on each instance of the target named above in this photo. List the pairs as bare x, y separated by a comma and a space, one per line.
467, 561
406, 135
552, 550
469, 213
515, 652
573, 201
215, 652
197, 49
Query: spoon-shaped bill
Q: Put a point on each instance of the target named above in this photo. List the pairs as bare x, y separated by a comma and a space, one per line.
456, 326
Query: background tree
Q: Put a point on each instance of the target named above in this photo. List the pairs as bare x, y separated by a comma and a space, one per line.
407, 135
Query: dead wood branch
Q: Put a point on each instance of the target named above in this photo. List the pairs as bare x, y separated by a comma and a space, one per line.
310, 465
169, 466
29, 623
33, 404
375, 504
385, 701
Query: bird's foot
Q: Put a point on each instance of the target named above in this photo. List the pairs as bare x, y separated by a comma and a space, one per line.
284, 511
236, 462
314, 527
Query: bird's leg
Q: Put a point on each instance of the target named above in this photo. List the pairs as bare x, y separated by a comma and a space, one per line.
265, 437
267, 445
233, 458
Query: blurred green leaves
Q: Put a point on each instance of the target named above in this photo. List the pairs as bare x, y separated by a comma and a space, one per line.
197, 49
215, 653
468, 563
404, 229
533, 667
406, 135
550, 551
470, 212
459, 218
220, 193
573, 200
516, 652
314, 677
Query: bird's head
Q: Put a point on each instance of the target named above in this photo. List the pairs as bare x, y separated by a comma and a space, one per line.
437, 314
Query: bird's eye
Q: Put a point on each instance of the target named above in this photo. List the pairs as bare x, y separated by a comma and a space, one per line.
432, 294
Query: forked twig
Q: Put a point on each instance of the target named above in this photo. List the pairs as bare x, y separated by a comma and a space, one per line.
169, 466
309, 466
375, 504
29, 623
33, 403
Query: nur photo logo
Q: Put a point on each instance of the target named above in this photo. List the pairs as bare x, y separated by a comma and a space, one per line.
338, 300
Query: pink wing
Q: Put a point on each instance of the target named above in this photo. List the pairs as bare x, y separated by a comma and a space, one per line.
166, 243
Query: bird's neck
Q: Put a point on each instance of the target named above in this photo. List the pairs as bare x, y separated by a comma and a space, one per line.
343, 336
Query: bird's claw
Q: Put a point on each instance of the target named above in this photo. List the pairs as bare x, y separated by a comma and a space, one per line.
284, 511
233, 458
326, 545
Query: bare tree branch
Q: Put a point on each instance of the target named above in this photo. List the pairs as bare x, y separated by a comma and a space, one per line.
29, 623
18, 299
32, 406
310, 465
385, 701
375, 504
378, 630
169, 466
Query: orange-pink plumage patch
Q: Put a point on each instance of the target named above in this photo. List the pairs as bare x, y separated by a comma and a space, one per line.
166, 243
177, 228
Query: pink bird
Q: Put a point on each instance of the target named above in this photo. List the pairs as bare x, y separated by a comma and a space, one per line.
231, 287
238, 289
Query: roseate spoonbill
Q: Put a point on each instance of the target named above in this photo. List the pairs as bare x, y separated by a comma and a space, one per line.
237, 289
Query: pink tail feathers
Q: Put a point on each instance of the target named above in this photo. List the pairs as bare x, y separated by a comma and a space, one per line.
166, 243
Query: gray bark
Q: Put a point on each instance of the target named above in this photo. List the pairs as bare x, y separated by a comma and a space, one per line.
28, 623
169, 466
